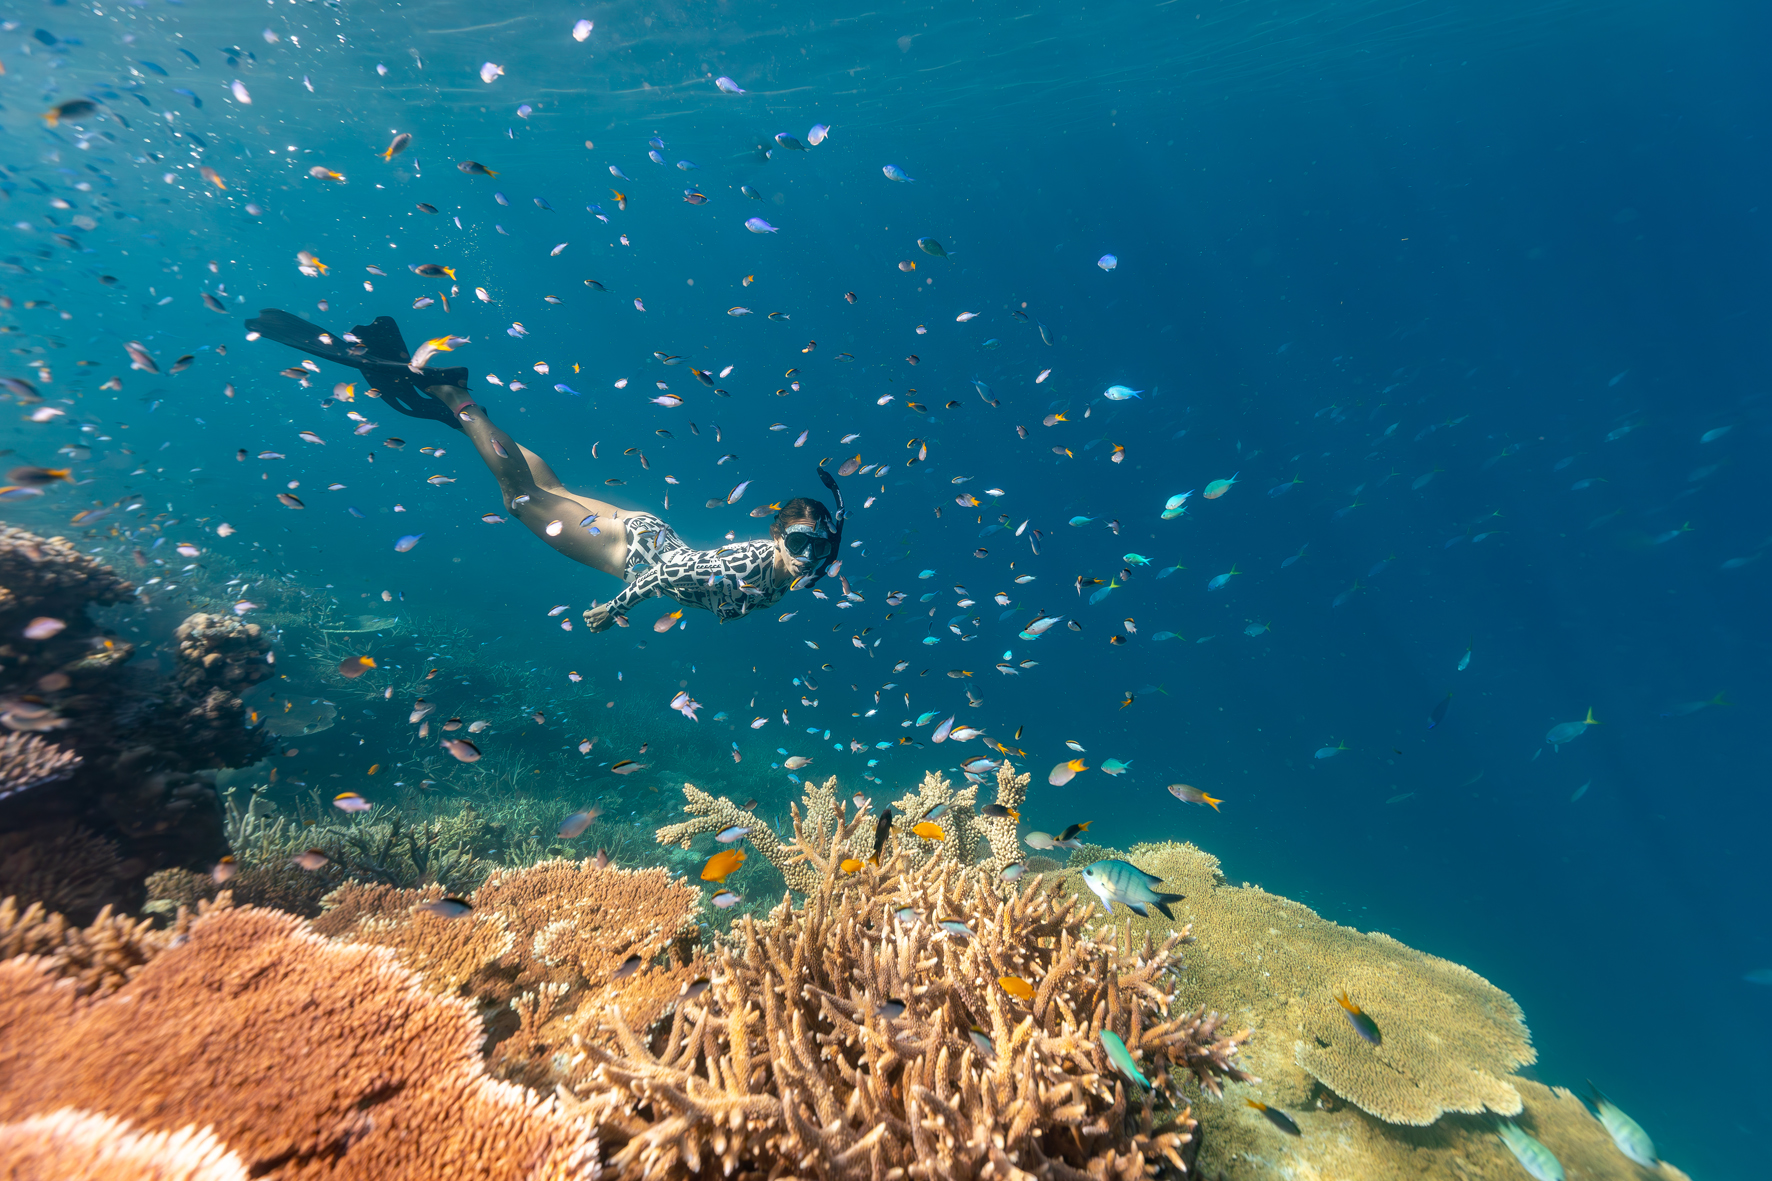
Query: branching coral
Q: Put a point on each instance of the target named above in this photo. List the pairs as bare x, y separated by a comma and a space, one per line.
1450, 1039
305, 1058
99, 958
825, 831
857, 1037
553, 941
714, 813
26, 761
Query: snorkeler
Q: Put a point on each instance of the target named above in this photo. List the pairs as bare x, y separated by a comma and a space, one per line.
636, 547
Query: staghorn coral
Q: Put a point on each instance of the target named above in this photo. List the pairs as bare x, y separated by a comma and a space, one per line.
713, 813
788, 1061
550, 936
26, 761
69, 1143
303, 1057
1451, 1040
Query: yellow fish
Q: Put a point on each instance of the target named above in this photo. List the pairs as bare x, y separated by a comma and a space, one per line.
929, 830
1016, 987
722, 864
850, 865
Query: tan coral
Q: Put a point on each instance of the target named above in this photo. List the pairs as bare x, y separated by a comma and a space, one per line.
72, 1144
1451, 1040
98, 959
305, 1057
555, 923
717, 813
787, 1060
27, 761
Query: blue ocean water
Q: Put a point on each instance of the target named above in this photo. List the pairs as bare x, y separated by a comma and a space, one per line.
1467, 299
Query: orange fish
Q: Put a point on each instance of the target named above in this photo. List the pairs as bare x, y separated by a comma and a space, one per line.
929, 831
1016, 987
355, 667
722, 864
850, 865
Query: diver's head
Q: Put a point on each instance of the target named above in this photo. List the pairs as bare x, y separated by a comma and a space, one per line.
804, 534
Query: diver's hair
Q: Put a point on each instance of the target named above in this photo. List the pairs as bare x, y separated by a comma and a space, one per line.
799, 510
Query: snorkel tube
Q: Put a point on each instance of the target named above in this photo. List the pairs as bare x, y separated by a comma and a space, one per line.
811, 577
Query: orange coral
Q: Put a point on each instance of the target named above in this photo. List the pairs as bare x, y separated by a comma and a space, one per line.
304, 1058
548, 940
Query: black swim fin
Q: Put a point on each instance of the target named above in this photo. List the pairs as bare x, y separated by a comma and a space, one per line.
381, 357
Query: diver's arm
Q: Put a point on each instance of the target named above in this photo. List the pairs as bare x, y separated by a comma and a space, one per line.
649, 583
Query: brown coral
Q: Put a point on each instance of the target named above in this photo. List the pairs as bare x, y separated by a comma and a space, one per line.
41, 571
550, 941
1451, 1040
306, 1058
26, 761
790, 1058
99, 958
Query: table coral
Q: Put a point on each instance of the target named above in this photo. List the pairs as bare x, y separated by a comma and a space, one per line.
71, 1144
1451, 1040
304, 1058
27, 761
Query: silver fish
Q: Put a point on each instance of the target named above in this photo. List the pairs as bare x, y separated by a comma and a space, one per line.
1121, 881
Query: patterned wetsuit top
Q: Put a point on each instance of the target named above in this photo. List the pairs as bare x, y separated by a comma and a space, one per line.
729, 581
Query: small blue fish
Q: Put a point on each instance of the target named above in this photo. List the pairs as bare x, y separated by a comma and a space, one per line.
1122, 1058
154, 67
1329, 752
541, 203
1135, 559
1081, 520
1115, 766
687, 166
894, 172
655, 156
562, 388
1218, 581
757, 225
1120, 393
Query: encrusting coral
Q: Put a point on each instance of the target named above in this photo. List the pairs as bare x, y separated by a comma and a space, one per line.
546, 949
859, 1036
304, 1058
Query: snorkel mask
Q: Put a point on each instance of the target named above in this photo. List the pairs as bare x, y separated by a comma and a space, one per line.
813, 544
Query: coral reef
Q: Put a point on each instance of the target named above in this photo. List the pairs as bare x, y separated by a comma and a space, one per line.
99, 958
857, 1036
132, 749
27, 761
303, 1057
553, 942
69, 1143
68, 868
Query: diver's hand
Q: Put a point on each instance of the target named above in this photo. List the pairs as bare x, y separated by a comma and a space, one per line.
600, 618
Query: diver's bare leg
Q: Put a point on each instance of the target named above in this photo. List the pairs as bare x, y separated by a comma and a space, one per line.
535, 495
